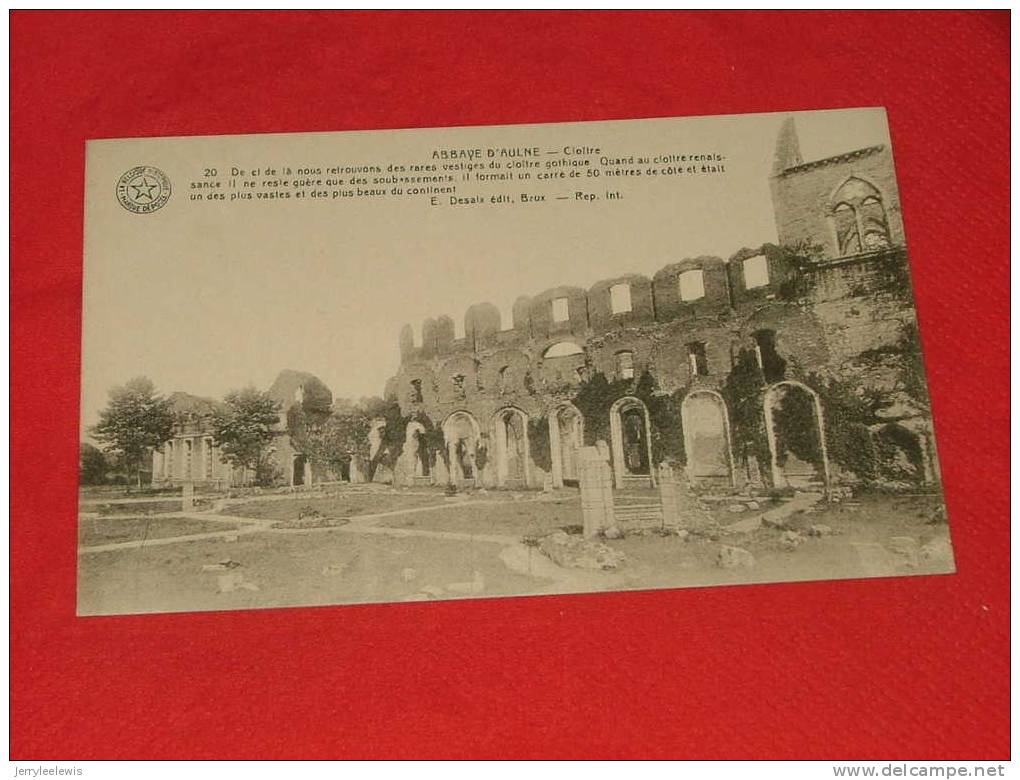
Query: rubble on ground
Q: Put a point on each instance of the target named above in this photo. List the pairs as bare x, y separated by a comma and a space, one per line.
576, 552
316, 520
791, 540
906, 548
734, 558
225, 565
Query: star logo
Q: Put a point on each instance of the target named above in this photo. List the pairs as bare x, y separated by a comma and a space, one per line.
143, 189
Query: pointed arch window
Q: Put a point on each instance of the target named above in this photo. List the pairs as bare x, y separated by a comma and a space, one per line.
859, 218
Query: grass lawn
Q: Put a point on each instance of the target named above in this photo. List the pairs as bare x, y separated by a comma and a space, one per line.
350, 565
339, 506
327, 567
149, 507
93, 531
495, 514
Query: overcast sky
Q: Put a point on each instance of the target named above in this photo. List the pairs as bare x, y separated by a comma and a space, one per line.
210, 297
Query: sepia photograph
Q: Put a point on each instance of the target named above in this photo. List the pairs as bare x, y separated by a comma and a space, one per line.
451, 363
446, 386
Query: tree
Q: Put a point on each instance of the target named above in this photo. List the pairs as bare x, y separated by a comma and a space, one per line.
135, 421
92, 465
333, 441
744, 390
243, 429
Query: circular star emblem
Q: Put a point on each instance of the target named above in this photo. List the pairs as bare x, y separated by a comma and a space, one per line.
143, 189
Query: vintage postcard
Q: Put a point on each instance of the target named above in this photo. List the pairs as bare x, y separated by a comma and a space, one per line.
406, 365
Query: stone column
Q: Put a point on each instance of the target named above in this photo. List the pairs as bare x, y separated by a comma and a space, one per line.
616, 437
158, 469
596, 482
500, 446
555, 449
188, 496
668, 496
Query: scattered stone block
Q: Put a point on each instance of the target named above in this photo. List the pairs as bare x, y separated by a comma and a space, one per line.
791, 540
736, 508
734, 558
752, 505
576, 552
613, 533
820, 529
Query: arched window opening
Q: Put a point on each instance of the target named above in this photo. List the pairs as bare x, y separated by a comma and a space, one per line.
635, 445
562, 349
846, 229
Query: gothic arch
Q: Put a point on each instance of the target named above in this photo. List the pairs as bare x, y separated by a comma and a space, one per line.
566, 435
631, 444
779, 477
462, 435
509, 451
699, 465
855, 223
414, 443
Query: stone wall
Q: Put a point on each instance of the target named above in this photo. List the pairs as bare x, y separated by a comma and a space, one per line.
803, 196
821, 309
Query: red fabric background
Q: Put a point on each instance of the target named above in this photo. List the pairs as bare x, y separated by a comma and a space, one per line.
907, 667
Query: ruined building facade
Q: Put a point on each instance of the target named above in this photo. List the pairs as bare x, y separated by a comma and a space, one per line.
191, 455
831, 304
